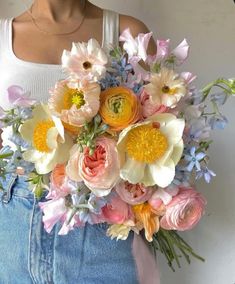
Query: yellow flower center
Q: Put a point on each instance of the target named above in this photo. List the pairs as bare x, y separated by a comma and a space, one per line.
87, 65
146, 144
40, 135
73, 97
170, 91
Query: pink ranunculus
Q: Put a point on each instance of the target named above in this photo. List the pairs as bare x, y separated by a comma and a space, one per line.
162, 196
184, 211
133, 193
117, 211
100, 172
148, 107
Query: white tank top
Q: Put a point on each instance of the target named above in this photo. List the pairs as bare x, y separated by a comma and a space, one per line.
35, 77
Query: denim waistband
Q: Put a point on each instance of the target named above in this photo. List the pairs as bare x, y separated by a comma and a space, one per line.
16, 185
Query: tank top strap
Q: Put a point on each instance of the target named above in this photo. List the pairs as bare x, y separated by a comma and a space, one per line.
110, 29
5, 34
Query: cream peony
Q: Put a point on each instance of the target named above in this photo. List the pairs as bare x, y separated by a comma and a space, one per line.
149, 151
50, 145
166, 88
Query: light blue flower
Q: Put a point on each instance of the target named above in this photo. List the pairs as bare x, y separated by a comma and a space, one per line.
199, 130
109, 81
122, 68
96, 203
219, 98
194, 159
218, 121
206, 173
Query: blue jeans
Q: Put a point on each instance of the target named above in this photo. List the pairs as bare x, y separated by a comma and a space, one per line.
28, 254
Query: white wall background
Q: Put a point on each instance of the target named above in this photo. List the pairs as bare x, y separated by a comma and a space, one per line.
209, 26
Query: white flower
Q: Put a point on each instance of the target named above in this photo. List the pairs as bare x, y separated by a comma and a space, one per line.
149, 151
166, 88
85, 61
50, 145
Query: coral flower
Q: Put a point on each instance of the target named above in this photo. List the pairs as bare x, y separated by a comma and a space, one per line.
149, 218
166, 88
73, 104
149, 151
85, 62
50, 145
119, 107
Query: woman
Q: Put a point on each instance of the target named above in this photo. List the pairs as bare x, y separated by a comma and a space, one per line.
30, 50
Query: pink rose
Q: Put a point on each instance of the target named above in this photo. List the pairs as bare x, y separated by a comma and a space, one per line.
100, 172
184, 211
148, 107
133, 193
117, 211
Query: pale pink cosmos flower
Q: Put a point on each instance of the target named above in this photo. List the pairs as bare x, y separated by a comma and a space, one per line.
117, 211
100, 171
184, 211
85, 61
74, 104
133, 193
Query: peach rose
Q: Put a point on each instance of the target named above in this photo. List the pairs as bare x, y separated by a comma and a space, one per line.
100, 172
184, 211
133, 193
117, 211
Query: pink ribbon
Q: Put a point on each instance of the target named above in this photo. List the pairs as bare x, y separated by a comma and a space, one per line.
146, 263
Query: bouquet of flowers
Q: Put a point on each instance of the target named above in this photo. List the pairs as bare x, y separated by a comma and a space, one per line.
121, 140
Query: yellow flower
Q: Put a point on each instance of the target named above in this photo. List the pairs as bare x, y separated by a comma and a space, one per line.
119, 107
149, 151
50, 145
145, 214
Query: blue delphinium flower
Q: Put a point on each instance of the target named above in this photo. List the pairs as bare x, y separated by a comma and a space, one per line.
194, 159
122, 68
206, 173
96, 203
18, 140
182, 177
199, 130
109, 81
218, 121
219, 98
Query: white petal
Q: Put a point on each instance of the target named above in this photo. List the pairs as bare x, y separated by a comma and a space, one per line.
177, 152
133, 171
174, 130
163, 175
51, 139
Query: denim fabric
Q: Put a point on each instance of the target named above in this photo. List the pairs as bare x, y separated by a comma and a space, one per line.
30, 255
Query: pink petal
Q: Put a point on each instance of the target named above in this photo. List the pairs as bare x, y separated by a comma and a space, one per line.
181, 51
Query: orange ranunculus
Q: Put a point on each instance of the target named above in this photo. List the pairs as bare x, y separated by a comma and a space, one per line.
119, 107
149, 218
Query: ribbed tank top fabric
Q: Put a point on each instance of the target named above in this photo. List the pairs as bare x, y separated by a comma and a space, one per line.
35, 77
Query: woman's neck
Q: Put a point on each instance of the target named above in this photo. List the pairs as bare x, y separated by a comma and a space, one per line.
58, 10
